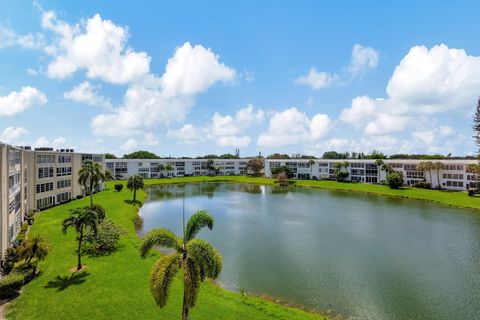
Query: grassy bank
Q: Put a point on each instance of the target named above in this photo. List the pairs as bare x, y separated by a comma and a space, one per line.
116, 286
451, 198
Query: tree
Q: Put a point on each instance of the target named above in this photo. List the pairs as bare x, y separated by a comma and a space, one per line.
141, 154
387, 167
210, 166
311, 162
379, 163
475, 169
108, 175
438, 166
134, 183
35, 246
197, 258
395, 180
476, 124
110, 156
80, 219
168, 167
426, 166
91, 175
341, 175
161, 167
256, 165
376, 155
282, 169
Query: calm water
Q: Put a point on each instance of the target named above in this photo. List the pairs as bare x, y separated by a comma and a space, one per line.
363, 256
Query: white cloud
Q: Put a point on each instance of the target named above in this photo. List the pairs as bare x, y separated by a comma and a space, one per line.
233, 141
12, 134
317, 80
155, 100
87, 93
193, 70
56, 143
363, 58
16, 102
32, 72
9, 38
188, 134
95, 45
291, 127
150, 139
424, 83
129, 145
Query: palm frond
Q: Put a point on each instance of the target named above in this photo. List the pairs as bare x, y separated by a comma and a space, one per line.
207, 258
159, 237
163, 273
191, 281
196, 222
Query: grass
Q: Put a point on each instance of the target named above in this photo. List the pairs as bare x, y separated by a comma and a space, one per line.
117, 286
450, 198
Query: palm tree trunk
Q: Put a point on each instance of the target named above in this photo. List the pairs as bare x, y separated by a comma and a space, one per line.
134, 195
438, 179
91, 194
79, 252
186, 308
430, 174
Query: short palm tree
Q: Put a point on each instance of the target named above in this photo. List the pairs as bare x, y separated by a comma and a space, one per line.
311, 162
134, 183
35, 246
426, 166
438, 166
197, 258
80, 219
91, 175
168, 167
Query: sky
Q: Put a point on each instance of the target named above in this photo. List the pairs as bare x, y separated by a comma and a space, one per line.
188, 78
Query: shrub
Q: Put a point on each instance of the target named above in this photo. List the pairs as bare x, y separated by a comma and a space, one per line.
104, 240
26, 270
11, 257
138, 222
395, 180
341, 175
99, 210
79, 197
10, 284
471, 192
423, 185
118, 187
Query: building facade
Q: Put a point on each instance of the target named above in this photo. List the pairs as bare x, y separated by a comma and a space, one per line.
152, 168
452, 176
35, 180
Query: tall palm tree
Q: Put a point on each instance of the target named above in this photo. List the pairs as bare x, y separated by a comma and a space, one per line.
426, 166
80, 219
91, 175
35, 246
134, 183
210, 166
168, 167
197, 258
379, 163
475, 169
161, 167
438, 166
311, 162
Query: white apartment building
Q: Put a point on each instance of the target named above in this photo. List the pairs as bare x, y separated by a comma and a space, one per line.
36, 179
150, 168
453, 176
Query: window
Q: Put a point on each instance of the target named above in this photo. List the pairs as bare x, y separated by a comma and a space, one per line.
62, 197
44, 187
64, 171
46, 172
45, 202
45, 158
64, 183
64, 159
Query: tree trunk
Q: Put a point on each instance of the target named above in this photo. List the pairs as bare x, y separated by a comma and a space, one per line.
134, 195
91, 193
430, 174
438, 179
79, 252
185, 309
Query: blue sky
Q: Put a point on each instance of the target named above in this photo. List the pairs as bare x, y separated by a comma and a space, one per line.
190, 78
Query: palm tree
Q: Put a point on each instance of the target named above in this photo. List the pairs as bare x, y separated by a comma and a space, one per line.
426, 166
475, 169
438, 166
91, 175
134, 183
198, 258
108, 175
80, 219
210, 166
379, 163
35, 246
161, 167
387, 167
168, 167
311, 162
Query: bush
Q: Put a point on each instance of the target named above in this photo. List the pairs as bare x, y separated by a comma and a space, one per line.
395, 180
104, 240
118, 187
138, 222
471, 192
341, 175
11, 257
27, 271
99, 210
10, 285
423, 185
79, 197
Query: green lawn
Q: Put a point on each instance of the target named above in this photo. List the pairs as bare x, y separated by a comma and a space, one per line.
451, 198
116, 286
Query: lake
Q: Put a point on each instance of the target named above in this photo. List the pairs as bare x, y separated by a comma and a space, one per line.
355, 254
